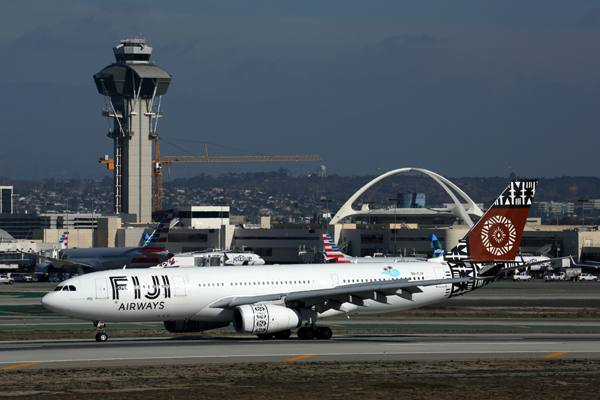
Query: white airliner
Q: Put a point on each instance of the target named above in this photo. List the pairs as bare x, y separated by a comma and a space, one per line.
334, 255
271, 300
153, 252
214, 258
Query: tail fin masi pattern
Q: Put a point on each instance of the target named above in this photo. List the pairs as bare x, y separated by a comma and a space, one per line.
496, 236
493, 239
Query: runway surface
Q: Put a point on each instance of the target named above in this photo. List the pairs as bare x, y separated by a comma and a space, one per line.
576, 338
226, 350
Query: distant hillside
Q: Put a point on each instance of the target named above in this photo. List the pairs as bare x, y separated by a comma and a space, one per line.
484, 190
256, 193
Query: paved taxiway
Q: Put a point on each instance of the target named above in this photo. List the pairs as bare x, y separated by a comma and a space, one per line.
226, 350
24, 313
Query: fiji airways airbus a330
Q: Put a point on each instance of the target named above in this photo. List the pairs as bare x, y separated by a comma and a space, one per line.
271, 300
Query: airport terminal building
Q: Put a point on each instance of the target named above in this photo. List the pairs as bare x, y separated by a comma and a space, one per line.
402, 229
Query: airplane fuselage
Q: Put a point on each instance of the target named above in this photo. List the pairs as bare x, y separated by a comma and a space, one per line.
114, 258
166, 294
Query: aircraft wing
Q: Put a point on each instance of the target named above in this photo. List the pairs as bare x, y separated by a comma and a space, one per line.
499, 268
586, 264
354, 293
61, 263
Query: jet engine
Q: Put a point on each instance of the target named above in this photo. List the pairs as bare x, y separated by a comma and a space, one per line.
265, 318
182, 326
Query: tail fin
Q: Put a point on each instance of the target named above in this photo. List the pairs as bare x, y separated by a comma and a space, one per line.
64, 241
497, 235
436, 247
332, 252
145, 238
159, 237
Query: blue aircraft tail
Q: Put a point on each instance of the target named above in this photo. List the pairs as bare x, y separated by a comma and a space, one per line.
436, 247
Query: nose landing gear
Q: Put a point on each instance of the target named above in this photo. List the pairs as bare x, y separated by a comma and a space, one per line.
101, 335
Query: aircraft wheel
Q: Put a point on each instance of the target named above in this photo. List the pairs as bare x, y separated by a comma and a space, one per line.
325, 333
309, 333
264, 336
101, 337
300, 333
283, 334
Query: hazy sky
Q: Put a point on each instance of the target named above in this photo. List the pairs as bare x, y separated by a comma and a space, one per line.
463, 88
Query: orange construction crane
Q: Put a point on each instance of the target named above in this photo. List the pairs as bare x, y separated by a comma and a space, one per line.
159, 161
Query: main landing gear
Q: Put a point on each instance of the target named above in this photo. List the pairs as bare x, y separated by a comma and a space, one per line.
278, 335
319, 332
101, 335
305, 333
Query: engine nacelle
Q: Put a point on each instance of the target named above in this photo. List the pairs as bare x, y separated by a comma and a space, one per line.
182, 326
264, 318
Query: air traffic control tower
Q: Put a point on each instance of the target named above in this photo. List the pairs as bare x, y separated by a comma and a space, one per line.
132, 89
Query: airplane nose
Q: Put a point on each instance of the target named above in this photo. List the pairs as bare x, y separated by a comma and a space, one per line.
50, 302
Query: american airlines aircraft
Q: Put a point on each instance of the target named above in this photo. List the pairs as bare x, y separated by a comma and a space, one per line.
334, 255
153, 252
271, 300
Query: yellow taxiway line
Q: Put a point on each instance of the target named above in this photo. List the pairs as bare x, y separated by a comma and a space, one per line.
299, 358
23, 365
560, 353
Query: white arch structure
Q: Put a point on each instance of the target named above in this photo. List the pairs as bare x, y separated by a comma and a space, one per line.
459, 210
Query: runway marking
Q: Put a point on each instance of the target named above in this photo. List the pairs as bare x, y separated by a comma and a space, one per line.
469, 344
369, 353
300, 358
23, 365
560, 353
517, 326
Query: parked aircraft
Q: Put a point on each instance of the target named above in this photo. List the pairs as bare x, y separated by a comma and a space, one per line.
273, 299
214, 258
63, 242
334, 255
153, 252
436, 247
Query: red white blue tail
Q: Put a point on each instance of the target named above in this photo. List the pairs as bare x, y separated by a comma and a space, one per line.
64, 241
159, 237
332, 252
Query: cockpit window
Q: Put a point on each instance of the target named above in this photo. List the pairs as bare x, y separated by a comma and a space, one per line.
58, 288
65, 288
72, 288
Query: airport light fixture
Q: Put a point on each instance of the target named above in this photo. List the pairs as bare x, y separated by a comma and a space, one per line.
395, 199
326, 201
582, 210
221, 238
